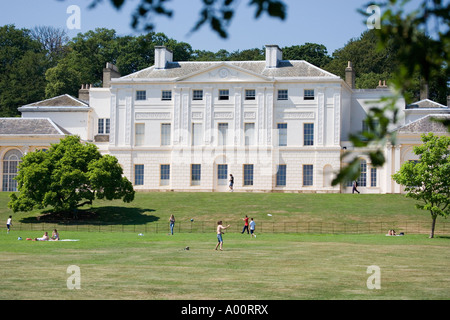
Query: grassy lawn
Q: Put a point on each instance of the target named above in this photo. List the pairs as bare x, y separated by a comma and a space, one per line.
271, 266
278, 266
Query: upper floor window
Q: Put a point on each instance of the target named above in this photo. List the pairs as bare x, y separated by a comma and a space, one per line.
166, 95
141, 95
103, 126
165, 134
224, 94
308, 134
249, 133
197, 95
223, 133
308, 94
197, 134
139, 137
283, 95
282, 134
250, 94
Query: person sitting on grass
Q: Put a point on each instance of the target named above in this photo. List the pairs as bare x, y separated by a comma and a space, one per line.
43, 238
391, 232
55, 235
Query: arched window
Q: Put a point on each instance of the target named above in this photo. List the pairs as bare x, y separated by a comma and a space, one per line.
11, 162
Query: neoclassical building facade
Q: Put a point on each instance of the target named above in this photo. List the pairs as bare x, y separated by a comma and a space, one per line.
275, 125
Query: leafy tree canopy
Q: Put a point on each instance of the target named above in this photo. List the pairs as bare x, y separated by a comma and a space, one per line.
67, 176
428, 180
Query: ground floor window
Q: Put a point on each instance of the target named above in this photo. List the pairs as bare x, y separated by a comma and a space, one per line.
373, 177
196, 174
248, 174
11, 162
281, 175
165, 174
139, 174
222, 174
365, 175
308, 175
362, 180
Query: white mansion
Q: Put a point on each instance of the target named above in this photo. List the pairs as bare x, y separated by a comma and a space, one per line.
275, 125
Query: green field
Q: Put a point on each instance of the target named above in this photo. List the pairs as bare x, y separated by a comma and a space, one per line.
117, 263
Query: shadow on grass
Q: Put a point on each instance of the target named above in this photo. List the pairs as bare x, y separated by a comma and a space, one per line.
110, 215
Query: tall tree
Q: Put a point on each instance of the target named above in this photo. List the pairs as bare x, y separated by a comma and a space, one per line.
428, 180
314, 53
53, 41
23, 63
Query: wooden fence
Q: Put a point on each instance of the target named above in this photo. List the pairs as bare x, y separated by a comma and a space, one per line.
408, 227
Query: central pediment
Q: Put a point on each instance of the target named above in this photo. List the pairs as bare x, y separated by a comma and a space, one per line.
224, 72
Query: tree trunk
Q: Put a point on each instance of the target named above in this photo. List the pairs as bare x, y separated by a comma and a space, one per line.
433, 224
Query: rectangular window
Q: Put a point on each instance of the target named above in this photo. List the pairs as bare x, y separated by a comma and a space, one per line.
166, 95
281, 175
308, 175
196, 174
248, 174
139, 135
139, 175
224, 94
103, 126
197, 95
222, 174
362, 180
165, 174
223, 133
197, 134
373, 177
107, 125
308, 134
165, 134
282, 134
308, 94
282, 94
141, 95
249, 131
250, 94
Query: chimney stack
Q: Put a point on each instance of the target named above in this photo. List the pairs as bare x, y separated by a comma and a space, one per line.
83, 93
110, 72
162, 57
423, 90
273, 55
382, 85
350, 75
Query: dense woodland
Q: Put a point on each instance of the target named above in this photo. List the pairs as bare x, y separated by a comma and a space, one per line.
43, 62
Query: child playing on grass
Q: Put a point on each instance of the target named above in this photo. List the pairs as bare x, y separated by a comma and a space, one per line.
9, 224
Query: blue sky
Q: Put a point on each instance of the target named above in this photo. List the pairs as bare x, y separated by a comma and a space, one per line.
329, 22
